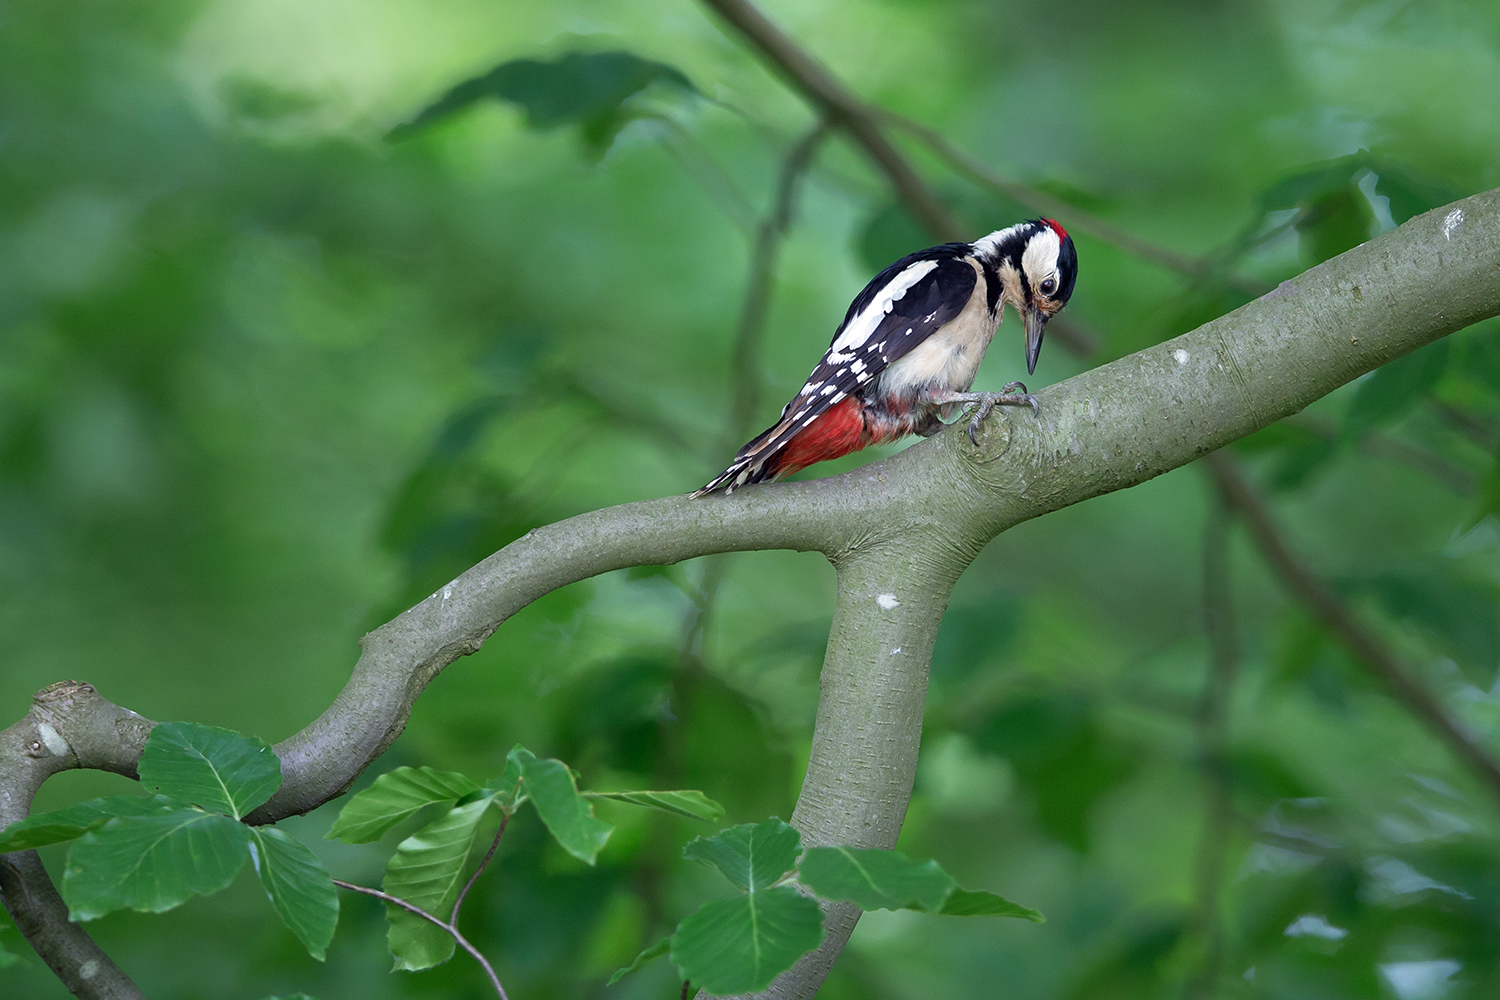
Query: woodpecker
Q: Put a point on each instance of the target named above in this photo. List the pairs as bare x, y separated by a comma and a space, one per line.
910, 346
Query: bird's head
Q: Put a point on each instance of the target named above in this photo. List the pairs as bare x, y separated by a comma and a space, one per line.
1037, 265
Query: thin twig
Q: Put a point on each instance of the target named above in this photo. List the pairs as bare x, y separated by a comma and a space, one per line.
494, 844
745, 362
462, 941
1378, 445
1465, 423
1213, 744
1339, 620
1046, 204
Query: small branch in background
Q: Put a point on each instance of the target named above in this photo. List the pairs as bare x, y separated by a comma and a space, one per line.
451, 928
1377, 445
1212, 724
1046, 204
839, 106
494, 845
1338, 619
1484, 434
745, 361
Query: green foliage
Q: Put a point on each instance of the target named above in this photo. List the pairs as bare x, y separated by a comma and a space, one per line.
215, 769
692, 804
875, 880
427, 871
394, 797
741, 943
428, 868
587, 89
751, 856
647, 956
569, 816
298, 886
153, 854
971, 903
152, 863
64, 825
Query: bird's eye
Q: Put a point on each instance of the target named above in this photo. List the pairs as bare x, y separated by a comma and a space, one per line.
1049, 286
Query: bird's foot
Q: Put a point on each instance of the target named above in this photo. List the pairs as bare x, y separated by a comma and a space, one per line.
1015, 394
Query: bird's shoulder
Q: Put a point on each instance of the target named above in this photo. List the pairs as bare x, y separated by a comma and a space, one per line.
943, 271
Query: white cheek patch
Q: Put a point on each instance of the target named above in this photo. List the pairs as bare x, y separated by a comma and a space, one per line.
863, 325
1039, 259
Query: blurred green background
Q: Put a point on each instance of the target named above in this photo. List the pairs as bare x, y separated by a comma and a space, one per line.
268, 376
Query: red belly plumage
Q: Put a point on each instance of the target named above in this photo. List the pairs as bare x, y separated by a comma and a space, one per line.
839, 431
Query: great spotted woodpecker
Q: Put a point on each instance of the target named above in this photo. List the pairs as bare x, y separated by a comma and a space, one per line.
910, 346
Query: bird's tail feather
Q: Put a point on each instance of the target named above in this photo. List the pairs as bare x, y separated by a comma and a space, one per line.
750, 463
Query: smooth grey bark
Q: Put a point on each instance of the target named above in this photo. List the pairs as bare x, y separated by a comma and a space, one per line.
899, 532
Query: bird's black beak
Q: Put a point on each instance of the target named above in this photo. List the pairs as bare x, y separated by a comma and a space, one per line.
1036, 324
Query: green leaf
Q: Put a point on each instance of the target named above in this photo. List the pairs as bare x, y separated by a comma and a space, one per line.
752, 856
964, 903
215, 769
395, 796
647, 956
875, 879
581, 88
152, 863
73, 822
299, 887
568, 815
689, 803
427, 871
7, 957
508, 791
741, 943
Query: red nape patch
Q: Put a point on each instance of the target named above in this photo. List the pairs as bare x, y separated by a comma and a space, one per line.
837, 432
1062, 233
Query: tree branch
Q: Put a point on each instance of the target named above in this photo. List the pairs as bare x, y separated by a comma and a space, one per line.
451, 927
744, 363
69, 725
899, 532
1338, 619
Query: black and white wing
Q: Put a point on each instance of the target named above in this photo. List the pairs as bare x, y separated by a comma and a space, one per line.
903, 306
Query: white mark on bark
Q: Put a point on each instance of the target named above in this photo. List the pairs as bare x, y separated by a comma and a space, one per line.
896, 651
888, 601
89, 969
53, 739
1181, 356
1451, 222
448, 591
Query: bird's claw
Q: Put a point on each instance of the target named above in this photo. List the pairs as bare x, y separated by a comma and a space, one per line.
1015, 394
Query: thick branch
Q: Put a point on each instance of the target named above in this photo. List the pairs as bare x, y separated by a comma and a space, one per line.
69, 726
1375, 655
907, 525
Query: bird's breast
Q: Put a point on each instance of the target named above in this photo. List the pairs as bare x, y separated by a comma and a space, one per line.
950, 357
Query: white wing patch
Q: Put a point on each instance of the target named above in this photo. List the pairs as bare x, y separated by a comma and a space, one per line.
859, 329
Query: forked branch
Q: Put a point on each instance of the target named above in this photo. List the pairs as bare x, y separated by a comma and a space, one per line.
899, 533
